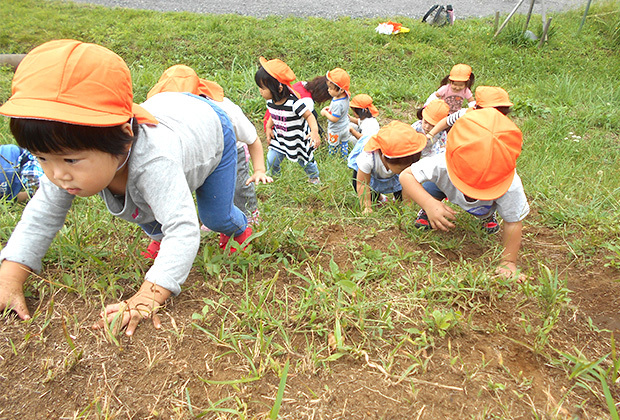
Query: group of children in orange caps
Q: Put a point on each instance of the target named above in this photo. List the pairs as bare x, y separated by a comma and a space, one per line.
146, 161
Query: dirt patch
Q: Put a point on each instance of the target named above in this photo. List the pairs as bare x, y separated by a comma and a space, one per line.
56, 366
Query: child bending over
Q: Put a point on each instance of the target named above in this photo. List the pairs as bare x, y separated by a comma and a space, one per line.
429, 116
487, 97
365, 122
476, 173
181, 78
377, 160
72, 107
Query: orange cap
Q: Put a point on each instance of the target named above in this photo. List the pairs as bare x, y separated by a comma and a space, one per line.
490, 96
364, 101
460, 73
280, 71
481, 153
396, 140
76, 83
181, 78
435, 111
340, 78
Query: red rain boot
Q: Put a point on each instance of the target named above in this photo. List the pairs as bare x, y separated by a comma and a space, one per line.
151, 251
239, 239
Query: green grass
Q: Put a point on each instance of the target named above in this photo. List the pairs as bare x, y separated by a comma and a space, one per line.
288, 295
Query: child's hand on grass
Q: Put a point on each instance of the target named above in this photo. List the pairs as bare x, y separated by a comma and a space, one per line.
12, 278
12, 297
439, 215
144, 304
258, 177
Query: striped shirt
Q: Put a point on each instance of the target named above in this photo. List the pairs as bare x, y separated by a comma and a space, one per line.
291, 130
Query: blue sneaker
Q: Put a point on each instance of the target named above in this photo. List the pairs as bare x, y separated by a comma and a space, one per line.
490, 224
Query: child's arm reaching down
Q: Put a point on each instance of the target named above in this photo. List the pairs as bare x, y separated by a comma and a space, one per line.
512, 242
439, 214
258, 163
314, 128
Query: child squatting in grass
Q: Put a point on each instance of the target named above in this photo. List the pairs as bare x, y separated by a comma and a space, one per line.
72, 106
377, 160
477, 173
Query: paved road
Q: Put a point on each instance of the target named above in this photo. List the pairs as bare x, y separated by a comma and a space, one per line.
329, 8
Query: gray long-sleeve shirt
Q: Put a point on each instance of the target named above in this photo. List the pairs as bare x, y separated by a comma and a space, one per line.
166, 164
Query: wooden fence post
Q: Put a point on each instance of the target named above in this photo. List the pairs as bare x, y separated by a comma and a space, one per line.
544, 35
529, 15
508, 18
584, 17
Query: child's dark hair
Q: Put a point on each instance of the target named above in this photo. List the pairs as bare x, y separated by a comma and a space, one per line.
469, 83
503, 109
405, 160
267, 81
362, 113
318, 89
44, 136
419, 113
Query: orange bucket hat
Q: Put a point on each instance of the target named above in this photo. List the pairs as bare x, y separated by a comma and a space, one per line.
481, 153
340, 78
181, 78
460, 73
280, 71
76, 83
364, 101
396, 140
491, 96
435, 111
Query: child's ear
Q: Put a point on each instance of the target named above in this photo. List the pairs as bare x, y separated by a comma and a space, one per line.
280, 88
126, 128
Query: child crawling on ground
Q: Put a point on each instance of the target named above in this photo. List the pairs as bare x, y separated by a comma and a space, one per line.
72, 107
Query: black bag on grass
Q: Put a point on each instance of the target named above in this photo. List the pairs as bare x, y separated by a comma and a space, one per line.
437, 16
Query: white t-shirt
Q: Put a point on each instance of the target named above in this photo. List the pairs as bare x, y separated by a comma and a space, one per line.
369, 126
512, 206
371, 163
244, 129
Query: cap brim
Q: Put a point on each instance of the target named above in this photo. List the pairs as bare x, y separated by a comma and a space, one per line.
39, 109
264, 63
372, 144
491, 193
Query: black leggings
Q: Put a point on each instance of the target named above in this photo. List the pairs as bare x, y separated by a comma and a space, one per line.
374, 196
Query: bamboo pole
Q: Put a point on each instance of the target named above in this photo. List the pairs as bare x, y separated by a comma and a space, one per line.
529, 15
508, 18
544, 35
496, 25
584, 17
